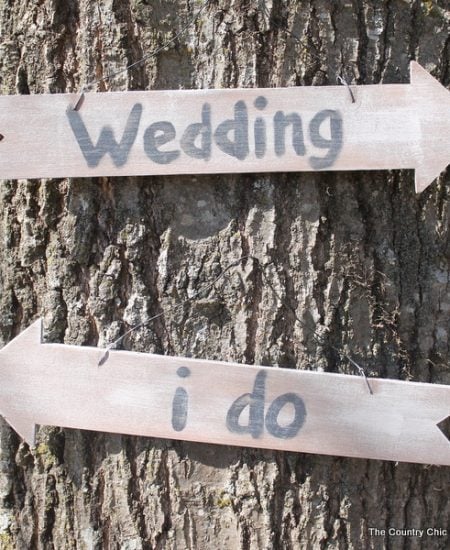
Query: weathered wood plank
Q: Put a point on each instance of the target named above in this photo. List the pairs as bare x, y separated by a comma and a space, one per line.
232, 130
218, 402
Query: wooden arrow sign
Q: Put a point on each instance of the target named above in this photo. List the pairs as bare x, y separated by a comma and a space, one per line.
217, 402
233, 130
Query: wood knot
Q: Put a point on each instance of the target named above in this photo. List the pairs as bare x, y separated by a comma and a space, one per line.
2, 137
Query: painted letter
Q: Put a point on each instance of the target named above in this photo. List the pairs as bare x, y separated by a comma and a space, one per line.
106, 142
291, 430
334, 144
199, 129
281, 122
158, 134
239, 126
180, 403
255, 402
259, 128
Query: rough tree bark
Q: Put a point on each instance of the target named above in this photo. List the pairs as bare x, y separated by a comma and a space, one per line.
355, 256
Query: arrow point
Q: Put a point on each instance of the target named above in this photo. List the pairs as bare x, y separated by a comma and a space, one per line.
422, 80
418, 74
24, 426
31, 336
425, 174
12, 354
433, 108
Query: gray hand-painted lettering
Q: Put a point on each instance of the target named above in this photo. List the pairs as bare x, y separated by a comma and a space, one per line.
281, 123
179, 409
200, 130
260, 137
292, 429
259, 128
255, 402
158, 134
180, 403
183, 372
106, 142
238, 147
231, 136
334, 144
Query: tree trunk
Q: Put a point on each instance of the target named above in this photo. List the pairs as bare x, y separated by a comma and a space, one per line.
356, 258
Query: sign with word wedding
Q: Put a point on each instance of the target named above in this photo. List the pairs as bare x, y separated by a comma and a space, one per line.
371, 127
217, 402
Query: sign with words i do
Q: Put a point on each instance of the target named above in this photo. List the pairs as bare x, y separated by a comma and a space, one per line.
180, 398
